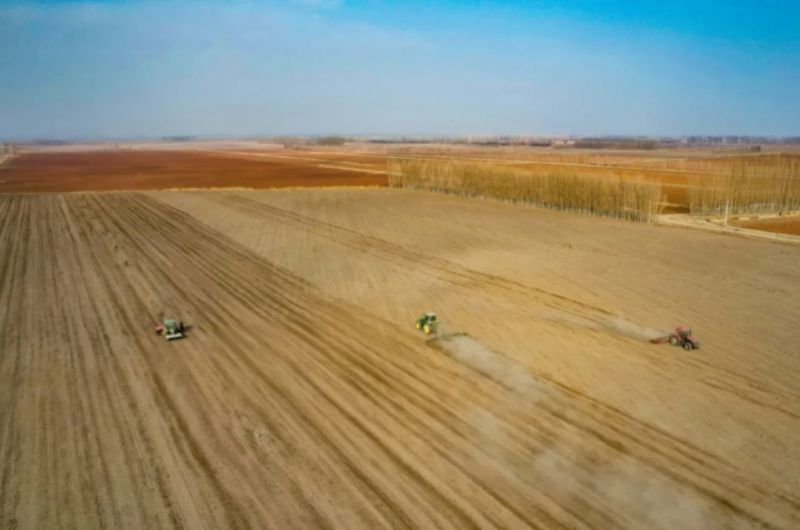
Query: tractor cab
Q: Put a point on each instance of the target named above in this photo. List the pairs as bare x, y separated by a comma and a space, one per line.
428, 323
683, 337
171, 329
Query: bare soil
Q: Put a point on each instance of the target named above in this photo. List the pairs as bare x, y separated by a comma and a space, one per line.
781, 225
164, 169
257, 165
303, 397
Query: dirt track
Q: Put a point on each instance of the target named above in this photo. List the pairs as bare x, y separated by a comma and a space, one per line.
304, 398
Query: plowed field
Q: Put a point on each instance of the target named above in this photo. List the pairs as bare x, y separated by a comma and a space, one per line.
158, 170
303, 397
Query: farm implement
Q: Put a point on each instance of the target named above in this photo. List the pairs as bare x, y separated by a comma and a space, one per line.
428, 323
171, 329
682, 336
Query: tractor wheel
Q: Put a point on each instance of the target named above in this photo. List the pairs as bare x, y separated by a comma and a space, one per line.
696, 345
427, 329
418, 326
687, 346
673, 340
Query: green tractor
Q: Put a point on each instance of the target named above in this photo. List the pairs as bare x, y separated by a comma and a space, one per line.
428, 323
171, 329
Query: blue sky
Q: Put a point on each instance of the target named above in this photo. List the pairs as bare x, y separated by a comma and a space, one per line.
116, 69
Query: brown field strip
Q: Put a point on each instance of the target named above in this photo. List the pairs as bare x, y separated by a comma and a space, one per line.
153, 170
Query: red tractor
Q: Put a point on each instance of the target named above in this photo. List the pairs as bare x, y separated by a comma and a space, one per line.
682, 336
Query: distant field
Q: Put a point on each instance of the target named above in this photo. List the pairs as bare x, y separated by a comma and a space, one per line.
781, 225
698, 181
680, 173
153, 170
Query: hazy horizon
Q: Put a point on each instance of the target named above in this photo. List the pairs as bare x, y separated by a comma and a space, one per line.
126, 69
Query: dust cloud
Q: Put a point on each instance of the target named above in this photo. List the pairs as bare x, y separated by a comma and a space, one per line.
623, 326
497, 367
620, 491
624, 490
615, 324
